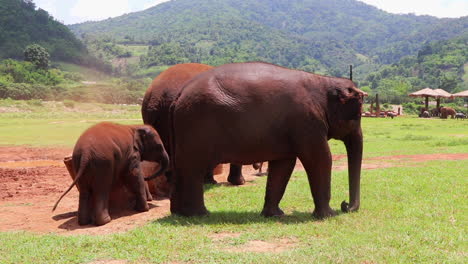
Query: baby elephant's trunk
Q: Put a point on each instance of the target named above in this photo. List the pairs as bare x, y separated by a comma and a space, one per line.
164, 165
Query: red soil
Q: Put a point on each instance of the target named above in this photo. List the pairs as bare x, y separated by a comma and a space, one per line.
31, 180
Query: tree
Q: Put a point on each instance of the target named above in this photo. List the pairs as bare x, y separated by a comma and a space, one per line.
37, 55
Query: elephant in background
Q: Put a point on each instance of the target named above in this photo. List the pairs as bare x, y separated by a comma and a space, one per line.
447, 111
259, 166
435, 112
425, 114
252, 112
109, 154
158, 99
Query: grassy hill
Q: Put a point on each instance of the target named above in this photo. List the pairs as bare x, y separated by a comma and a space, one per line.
21, 25
314, 35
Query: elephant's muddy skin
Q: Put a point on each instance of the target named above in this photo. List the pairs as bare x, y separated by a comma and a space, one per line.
252, 112
109, 154
158, 98
447, 111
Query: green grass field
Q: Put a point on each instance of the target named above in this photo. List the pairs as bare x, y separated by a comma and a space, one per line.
413, 213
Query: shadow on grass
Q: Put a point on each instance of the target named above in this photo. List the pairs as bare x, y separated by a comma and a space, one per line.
239, 218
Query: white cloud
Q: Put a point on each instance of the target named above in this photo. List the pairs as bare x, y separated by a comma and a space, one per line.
97, 10
47, 5
438, 8
154, 3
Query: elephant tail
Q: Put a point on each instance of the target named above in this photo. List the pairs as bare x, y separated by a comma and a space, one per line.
78, 175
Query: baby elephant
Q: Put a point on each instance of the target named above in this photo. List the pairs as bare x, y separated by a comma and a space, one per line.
109, 154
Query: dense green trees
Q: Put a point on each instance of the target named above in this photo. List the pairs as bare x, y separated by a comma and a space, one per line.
37, 55
438, 64
21, 25
323, 36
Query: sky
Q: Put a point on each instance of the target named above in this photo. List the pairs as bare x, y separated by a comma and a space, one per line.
77, 11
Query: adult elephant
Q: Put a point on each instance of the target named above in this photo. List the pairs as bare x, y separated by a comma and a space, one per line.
447, 111
108, 155
159, 97
252, 112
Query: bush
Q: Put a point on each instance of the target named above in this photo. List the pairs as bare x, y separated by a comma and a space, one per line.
74, 76
411, 108
37, 55
24, 91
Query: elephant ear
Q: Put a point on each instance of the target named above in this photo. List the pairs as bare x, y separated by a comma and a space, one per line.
141, 137
145, 139
346, 102
346, 94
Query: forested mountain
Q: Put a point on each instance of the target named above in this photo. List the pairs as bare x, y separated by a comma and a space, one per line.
21, 25
314, 35
440, 64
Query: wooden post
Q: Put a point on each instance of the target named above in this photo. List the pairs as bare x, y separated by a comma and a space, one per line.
351, 72
377, 104
427, 103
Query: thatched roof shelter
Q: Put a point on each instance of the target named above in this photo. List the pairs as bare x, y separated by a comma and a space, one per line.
428, 92
461, 94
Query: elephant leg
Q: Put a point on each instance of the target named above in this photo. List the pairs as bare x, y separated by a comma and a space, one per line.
235, 176
101, 187
209, 178
149, 197
187, 195
318, 164
278, 177
84, 217
101, 207
137, 185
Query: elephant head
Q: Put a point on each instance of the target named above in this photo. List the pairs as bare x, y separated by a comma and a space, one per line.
151, 148
344, 121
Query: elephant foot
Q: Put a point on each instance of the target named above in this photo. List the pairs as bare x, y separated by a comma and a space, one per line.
268, 212
323, 213
236, 180
142, 207
149, 197
209, 178
84, 218
102, 220
84, 221
190, 211
210, 181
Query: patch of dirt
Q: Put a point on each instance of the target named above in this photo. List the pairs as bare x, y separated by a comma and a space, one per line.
32, 179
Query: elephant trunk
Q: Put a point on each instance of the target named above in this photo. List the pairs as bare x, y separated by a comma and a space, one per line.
164, 165
354, 148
